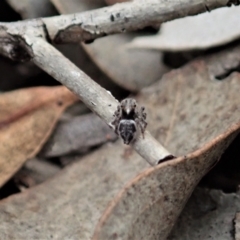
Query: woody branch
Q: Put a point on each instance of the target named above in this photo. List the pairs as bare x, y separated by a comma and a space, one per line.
29, 40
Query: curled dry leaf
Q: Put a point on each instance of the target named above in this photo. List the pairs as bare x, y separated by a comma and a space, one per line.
27, 118
132, 70
151, 203
182, 112
149, 206
203, 31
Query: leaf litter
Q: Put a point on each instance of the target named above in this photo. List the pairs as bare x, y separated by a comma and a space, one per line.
184, 114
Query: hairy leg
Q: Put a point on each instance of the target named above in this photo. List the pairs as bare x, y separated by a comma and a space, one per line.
117, 118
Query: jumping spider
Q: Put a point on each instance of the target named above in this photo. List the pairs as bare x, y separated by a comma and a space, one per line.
128, 120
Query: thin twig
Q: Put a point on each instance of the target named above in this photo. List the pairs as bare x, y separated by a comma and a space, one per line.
123, 17
119, 18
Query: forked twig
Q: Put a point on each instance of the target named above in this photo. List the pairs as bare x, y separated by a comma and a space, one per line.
28, 40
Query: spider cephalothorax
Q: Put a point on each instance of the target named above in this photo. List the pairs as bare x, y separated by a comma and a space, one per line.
128, 120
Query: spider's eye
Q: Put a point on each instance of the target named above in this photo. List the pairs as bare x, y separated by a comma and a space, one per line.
122, 106
134, 105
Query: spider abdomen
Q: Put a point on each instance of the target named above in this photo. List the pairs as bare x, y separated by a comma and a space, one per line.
127, 129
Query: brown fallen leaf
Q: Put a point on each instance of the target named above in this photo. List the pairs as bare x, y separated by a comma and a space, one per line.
124, 67
27, 118
190, 111
200, 32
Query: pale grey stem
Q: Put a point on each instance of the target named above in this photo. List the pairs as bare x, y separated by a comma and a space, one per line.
93, 95
123, 17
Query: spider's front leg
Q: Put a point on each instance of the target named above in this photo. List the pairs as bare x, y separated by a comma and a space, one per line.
142, 113
141, 120
117, 117
143, 117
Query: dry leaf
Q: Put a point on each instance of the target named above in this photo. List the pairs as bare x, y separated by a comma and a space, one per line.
203, 31
191, 119
124, 67
69, 205
77, 135
150, 204
27, 118
209, 214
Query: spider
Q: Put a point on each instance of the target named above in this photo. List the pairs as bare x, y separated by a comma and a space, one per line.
128, 120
